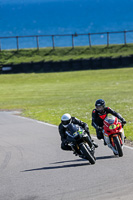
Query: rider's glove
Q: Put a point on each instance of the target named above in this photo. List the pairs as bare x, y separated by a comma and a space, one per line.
123, 121
86, 129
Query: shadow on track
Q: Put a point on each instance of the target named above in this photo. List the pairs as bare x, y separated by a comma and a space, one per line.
59, 167
104, 157
65, 161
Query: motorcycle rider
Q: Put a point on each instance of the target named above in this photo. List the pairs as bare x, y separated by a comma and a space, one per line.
65, 120
99, 114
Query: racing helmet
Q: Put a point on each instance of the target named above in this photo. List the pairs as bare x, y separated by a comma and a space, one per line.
66, 119
100, 105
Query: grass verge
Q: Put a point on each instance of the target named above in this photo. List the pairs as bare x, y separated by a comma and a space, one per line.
48, 96
65, 53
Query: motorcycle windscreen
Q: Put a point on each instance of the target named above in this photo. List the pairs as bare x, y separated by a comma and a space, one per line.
110, 119
72, 128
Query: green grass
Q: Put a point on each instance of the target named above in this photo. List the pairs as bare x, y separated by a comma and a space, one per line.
48, 96
48, 54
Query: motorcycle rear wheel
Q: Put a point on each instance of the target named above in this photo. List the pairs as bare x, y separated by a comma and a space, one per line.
118, 146
87, 154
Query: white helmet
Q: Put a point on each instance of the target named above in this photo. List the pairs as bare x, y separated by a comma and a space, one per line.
66, 119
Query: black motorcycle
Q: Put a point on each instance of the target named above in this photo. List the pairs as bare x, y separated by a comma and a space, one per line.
80, 142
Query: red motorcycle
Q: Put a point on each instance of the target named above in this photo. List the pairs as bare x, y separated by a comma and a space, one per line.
114, 135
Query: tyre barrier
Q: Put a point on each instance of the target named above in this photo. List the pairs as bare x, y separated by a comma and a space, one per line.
70, 65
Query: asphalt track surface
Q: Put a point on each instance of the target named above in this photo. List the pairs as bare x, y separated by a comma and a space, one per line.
33, 167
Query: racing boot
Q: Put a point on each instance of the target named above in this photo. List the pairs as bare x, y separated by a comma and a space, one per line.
104, 142
124, 138
75, 153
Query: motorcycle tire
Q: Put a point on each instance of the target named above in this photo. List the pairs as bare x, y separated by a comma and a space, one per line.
118, 146
87, 154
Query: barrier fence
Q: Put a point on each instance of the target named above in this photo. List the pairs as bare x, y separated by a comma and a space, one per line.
123, 39
70, 65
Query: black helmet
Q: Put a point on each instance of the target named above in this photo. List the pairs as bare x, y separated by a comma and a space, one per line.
100, 105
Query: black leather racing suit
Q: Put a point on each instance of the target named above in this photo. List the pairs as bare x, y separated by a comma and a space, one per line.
62, 132
98, 118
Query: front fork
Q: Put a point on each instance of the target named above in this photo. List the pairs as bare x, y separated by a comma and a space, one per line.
88, 139
121, 137
75, 148
110, 142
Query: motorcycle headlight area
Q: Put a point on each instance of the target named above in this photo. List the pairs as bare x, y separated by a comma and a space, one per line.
75, 134
112, 126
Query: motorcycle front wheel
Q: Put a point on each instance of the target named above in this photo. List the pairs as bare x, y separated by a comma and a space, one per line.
87, 153
118, 146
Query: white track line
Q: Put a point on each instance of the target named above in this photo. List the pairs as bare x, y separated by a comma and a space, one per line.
40, 122
128, 147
